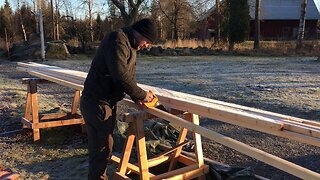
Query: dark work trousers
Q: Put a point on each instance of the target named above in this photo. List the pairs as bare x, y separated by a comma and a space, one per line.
100, 120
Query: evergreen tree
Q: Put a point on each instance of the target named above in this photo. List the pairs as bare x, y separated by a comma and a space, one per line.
27, 18
6, 20
98, 28
239, 19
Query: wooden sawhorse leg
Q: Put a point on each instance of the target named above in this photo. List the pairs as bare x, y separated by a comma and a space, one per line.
136, 132
197, 141
31, 112
195, 168
33, 120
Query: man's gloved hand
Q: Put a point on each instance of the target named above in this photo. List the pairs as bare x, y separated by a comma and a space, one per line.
148, 98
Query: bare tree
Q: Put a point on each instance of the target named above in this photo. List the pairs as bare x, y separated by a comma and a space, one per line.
257, 26
218, 17
128, 9
57, 20
302, 24
68, 8
21, 21
178, 13
53, 35
90, 13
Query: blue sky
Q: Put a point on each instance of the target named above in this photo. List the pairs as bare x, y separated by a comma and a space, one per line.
78, 10
1, 2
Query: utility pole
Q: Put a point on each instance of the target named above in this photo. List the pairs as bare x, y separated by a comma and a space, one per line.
52, 21
218, 22
257, 26
41, 35
302, 24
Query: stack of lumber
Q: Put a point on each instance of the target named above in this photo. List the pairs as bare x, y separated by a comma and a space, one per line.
298, 129
302, 130
7, 174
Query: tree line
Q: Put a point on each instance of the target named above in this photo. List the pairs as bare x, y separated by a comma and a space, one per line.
174, 19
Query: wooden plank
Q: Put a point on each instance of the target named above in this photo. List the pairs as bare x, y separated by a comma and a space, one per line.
26, 122
7, 175
243, 121
302, 129
190, 97
283, 133
163, 157
66, 72
186, 160
175, 172
81, 76
156, 161
34, 110
189, 155
57, 123
198, 145
239, 146
126, 153
53, 116
164, 95
177, 100
52, 74
133, 116
172, 149
142, 115
200, 173
57, 80
119, 176
186, 96
197, 141
131, 167
142, 151
27, 113
75, 103
181, 138
37, 80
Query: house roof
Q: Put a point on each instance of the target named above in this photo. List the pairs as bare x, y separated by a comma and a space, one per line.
285, 9
280, 9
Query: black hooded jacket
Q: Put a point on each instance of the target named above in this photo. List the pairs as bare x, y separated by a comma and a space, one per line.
112, 71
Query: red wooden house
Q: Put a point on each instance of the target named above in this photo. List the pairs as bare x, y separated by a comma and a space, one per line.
279, 20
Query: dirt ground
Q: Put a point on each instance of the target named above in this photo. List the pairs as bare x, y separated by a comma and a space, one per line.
286, 85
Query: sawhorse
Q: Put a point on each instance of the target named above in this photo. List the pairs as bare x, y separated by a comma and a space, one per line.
194, 168
35, 121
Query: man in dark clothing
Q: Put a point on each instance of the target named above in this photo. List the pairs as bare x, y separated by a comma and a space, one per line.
111, 76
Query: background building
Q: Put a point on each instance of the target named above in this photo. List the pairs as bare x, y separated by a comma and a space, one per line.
279, 20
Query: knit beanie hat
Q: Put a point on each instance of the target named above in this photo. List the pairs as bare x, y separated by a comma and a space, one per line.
146, 28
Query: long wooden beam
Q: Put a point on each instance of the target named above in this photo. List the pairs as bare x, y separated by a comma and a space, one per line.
270, 159
268, 122
81, 76
231, 113
191, 97
54, 69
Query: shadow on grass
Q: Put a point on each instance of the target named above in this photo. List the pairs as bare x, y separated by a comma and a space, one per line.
310, 162
74, 167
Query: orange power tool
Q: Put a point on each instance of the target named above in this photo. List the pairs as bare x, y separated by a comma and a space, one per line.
152, 103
